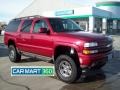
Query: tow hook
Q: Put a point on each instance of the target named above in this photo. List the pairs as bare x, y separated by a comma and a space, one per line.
84, 73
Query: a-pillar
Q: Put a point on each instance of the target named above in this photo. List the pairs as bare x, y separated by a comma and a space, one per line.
104, 25
91, 23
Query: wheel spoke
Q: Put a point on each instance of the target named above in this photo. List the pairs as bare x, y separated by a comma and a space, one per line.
11, 54
65, 68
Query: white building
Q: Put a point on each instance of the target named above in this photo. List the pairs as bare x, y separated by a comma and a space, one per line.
103, 18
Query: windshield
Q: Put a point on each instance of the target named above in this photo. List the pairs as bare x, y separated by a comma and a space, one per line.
64, 25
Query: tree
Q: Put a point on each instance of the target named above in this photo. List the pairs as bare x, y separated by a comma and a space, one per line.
2, 26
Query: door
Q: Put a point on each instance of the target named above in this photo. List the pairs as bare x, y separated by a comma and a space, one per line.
42, 42
110, 26
24, 39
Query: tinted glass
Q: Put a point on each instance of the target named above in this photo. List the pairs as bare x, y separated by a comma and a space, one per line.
26, 26
39, 24
13, 26
64, 25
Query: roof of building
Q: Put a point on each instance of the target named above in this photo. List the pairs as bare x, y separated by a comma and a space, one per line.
37, 7
108, 3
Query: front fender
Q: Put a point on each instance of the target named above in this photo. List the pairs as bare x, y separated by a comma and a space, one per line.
72, 45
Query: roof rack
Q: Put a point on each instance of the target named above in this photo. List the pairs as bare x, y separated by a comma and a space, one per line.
28, 17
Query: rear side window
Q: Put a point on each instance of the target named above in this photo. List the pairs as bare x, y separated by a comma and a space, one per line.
26, 26
13, 26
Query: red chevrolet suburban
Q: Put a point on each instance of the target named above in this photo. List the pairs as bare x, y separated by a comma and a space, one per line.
72, 50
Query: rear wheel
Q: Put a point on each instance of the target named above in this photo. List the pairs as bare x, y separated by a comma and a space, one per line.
66, 68
14, 55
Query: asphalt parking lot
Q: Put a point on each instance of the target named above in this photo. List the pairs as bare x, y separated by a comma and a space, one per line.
106, 79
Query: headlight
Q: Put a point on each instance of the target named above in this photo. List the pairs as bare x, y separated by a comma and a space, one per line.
91, 44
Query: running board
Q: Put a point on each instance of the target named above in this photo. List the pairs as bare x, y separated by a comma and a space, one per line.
44, 58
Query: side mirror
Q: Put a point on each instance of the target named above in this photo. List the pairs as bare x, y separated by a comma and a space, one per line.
43, 30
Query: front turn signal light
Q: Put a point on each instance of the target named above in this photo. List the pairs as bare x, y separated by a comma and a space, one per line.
90, 51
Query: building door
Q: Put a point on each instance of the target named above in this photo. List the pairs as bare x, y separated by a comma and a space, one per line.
98, 25
109, 26
118, 26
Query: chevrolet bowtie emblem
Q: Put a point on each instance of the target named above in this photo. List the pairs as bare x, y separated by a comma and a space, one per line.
108, 45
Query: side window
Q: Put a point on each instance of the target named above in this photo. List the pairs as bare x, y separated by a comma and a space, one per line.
13, 26
26, 26
39, 24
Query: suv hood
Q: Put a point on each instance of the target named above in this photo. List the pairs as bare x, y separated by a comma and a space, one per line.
87, 36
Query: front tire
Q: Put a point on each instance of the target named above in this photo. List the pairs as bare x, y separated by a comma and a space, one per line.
14, 56
66, 69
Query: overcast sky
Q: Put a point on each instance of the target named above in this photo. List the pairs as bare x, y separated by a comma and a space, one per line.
10, 8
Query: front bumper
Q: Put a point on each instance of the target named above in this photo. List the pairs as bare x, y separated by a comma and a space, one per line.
93, 61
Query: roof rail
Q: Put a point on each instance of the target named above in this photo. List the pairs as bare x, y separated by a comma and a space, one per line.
28, 17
